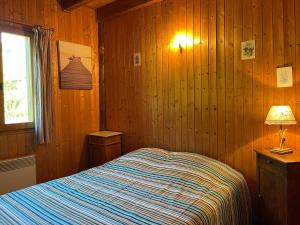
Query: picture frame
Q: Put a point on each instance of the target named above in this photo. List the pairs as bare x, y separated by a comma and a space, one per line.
75, 66
248, 50
284, 77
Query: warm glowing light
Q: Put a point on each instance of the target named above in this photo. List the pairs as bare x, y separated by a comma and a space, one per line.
183, 40
281, 115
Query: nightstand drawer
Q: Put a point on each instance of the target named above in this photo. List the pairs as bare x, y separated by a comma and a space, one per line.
104, 146
277, 198
270, 164
100, 154
104, 141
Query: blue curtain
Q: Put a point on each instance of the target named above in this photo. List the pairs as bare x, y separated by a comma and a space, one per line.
42, 84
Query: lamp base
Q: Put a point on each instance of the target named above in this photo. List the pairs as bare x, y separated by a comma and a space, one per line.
282, 151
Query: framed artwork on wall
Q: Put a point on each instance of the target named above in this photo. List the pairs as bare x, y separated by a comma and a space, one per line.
75, 66
248, 50
284, 77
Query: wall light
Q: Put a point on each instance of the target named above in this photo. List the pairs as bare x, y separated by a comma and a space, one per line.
183, 40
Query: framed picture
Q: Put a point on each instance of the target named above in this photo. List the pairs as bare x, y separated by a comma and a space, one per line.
248, 50
285, 77
137, 59
75, 66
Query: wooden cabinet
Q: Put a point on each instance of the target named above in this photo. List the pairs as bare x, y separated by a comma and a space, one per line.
103, 146
278, 188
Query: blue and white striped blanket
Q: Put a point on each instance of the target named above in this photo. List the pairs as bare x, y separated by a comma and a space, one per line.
148, 186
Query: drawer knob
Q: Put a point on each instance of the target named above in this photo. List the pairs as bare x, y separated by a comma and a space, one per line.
259, 196
269, 161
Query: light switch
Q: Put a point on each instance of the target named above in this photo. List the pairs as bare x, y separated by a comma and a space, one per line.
137, 59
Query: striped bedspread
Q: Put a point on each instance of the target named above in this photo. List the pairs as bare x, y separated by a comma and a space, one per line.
148, 186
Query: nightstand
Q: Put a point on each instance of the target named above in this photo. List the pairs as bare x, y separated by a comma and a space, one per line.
278, 188
103, 147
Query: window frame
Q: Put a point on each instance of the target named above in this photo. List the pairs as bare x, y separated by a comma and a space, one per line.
16, 126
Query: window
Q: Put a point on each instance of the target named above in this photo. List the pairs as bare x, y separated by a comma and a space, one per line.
16, 77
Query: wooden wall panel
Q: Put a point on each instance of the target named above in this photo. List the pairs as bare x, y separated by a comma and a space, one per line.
76, 113
204, 100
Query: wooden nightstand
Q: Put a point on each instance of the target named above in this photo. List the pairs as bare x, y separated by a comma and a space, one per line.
103, 146
278, 188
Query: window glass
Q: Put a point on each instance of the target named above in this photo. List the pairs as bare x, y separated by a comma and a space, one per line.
17, 82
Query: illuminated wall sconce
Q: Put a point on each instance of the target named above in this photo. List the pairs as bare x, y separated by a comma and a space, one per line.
180, 48
183, 40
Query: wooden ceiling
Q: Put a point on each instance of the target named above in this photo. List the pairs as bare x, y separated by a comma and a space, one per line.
98, 3
106, 8
121, 6
72, 4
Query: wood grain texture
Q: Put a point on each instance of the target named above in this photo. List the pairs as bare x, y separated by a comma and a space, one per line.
277, 198
120, 6
104, 146
205, 100
98, 3
76, 113
72, 4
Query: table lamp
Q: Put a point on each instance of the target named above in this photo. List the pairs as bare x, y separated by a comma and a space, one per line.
281, 115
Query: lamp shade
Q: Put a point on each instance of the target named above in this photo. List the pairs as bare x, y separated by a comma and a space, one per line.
280, 115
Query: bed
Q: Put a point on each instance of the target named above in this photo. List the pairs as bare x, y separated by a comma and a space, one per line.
147, 186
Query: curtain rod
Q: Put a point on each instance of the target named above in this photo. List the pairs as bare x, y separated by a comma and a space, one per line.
25, 26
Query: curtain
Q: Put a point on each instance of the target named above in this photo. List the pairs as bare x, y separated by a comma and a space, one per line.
42, 84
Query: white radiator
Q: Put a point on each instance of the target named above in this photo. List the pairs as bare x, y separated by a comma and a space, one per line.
17, 173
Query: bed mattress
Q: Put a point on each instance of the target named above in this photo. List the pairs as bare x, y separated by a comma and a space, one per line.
147, 186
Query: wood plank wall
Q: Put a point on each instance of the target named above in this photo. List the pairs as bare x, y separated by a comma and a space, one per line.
205, 100
76, 113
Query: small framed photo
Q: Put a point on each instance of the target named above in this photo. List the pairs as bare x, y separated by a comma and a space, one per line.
285, 77
137, 59
248, 50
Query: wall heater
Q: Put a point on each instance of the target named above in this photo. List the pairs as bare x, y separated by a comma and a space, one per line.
17, 173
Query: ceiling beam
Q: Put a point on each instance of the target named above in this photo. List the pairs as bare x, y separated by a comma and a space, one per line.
121, 6
72, 4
